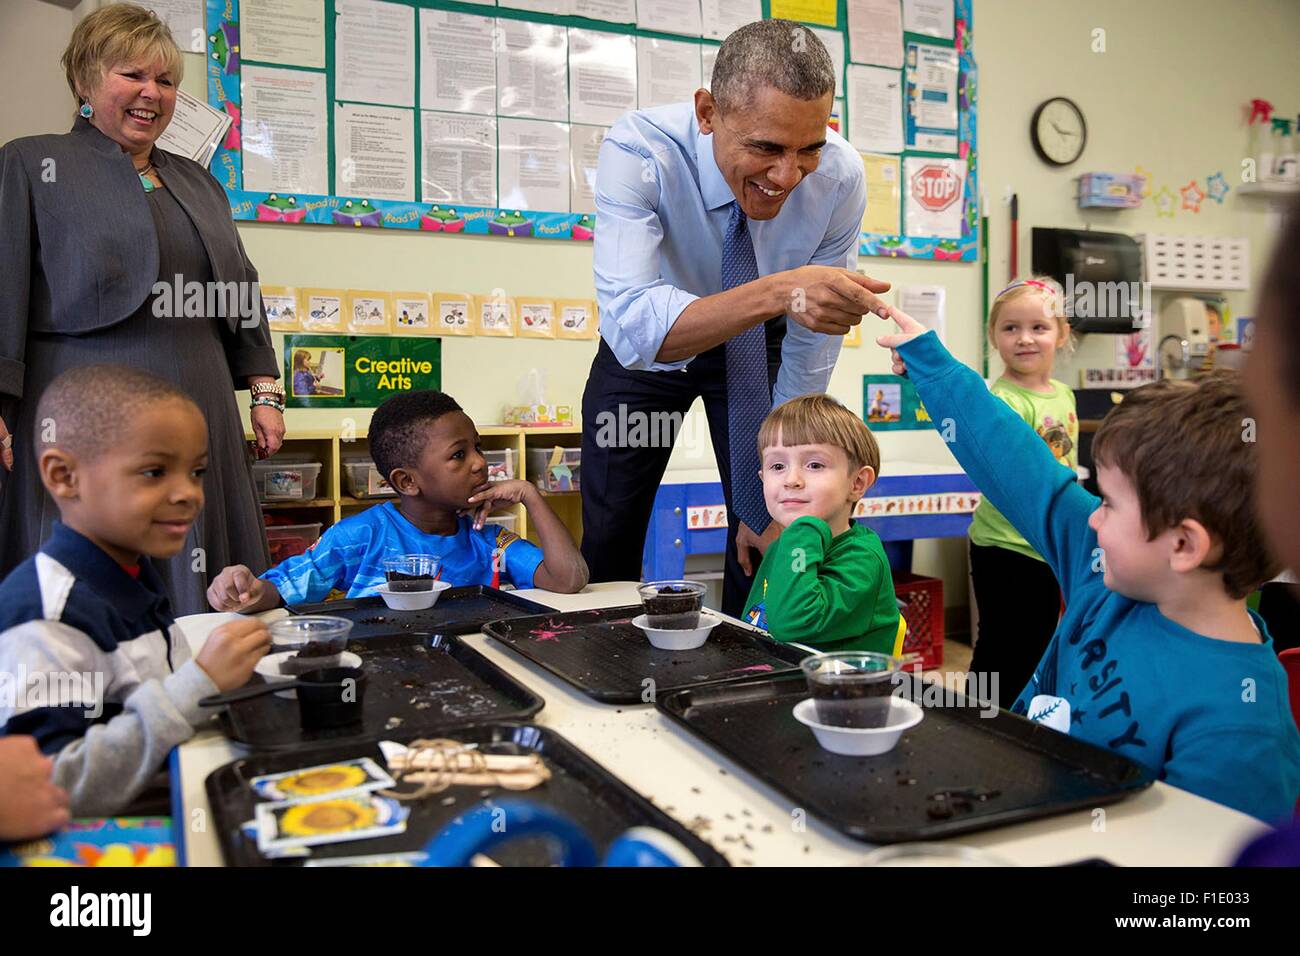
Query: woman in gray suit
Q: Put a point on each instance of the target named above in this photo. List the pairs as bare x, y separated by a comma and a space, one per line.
115, 251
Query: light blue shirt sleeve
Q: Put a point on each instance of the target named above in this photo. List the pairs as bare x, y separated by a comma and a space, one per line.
332, 562
637, 306
808, 357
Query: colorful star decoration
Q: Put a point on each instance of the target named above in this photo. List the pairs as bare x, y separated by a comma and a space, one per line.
1146, 175
1165, 202
1193, 196
1217, 187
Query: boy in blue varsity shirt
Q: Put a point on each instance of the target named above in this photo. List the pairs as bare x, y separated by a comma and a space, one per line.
100, 675
428, 450
1156, 656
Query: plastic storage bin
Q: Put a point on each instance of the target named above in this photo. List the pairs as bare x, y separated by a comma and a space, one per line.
286, 479
286, 540
364, 480
564, 476
501, 463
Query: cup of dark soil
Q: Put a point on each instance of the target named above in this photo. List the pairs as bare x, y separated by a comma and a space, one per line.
672, 605
411, 572
847, 687
311, 635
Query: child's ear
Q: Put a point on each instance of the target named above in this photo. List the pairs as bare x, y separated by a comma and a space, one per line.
58, 468
404, 482
864, 479
1193, 546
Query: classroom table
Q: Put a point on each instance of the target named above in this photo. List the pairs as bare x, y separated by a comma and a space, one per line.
746, 819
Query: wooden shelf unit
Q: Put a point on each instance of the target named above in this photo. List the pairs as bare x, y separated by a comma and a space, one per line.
333, 501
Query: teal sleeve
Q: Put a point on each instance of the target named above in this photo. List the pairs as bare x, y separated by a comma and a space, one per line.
1008, 462
807, 600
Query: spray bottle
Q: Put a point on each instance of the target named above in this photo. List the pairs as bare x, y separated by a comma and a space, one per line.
1261, 141
1286, 157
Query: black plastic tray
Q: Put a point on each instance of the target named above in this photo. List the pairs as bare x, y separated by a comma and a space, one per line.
425, 681
605, 656
1024, 770
462, 610
579, 787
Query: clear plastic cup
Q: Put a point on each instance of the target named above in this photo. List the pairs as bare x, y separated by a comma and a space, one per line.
846, 686
411, 572
311, 635
672, 605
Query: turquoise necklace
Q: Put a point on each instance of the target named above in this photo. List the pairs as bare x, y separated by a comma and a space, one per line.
144, 179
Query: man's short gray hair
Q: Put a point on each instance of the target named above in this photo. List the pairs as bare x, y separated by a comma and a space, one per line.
782, 54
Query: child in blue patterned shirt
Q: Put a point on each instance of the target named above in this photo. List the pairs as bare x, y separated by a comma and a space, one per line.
428, 450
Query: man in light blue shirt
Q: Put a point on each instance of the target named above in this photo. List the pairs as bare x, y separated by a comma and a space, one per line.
724, 263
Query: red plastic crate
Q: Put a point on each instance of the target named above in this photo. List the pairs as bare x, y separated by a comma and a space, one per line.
922, 599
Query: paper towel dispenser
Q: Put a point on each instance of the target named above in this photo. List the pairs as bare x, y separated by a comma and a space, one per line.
1101, 273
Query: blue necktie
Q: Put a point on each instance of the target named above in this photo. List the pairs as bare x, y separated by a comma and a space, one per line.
749, 396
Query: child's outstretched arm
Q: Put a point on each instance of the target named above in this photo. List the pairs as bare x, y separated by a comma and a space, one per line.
562, 569
1000, 452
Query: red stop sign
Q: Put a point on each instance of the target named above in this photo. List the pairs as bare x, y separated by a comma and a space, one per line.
935, 187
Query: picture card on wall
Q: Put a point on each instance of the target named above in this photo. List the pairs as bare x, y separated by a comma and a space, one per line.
536, 317
369, 312
575, 319
495, 315
411, 313
322, 310
281, 305
453, 313
931, 98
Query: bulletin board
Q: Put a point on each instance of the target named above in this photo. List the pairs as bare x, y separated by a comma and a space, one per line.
330, 125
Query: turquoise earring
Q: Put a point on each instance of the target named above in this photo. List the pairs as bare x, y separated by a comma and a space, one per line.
87, 111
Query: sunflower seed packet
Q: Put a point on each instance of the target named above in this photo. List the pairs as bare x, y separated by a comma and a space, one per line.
327, 780
338, 819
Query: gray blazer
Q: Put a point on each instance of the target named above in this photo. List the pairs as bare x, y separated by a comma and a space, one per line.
78, 250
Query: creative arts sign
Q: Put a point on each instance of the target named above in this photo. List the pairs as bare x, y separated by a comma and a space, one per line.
361, 371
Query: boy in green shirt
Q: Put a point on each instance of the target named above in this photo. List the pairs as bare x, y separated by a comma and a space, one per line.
825, 582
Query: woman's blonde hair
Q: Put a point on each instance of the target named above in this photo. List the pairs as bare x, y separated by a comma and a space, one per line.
120, 33
300, 359
820, 420
1047, 289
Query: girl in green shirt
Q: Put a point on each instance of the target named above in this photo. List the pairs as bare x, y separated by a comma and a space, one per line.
1016, 594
